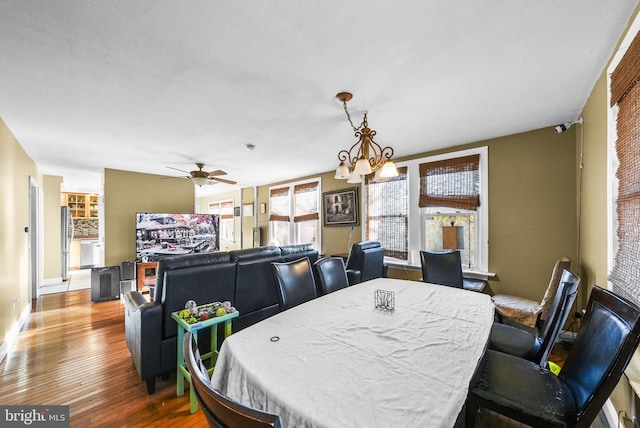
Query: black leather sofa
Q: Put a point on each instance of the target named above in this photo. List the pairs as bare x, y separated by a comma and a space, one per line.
243, 277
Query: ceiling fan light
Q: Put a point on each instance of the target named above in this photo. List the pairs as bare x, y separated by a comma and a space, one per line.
200, 181
362, 167
388, 170
342, 172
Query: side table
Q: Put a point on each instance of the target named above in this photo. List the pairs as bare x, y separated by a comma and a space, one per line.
182, 372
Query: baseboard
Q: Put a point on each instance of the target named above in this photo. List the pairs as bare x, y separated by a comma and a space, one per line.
52, 281
611, 415
12, 334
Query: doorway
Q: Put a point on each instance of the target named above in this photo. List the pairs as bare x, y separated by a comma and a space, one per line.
35, 240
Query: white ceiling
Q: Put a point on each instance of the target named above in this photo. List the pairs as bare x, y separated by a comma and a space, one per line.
145, 85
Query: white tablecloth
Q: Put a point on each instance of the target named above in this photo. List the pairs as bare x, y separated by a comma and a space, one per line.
338, 362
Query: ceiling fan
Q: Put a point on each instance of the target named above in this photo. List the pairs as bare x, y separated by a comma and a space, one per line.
201, 177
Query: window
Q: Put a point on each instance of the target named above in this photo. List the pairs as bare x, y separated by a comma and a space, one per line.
294, 217
407, 214
625, 103
387, 208
450, 196
225, 210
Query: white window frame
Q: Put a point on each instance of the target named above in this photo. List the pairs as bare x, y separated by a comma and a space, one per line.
416, 237
226, 223
294, 234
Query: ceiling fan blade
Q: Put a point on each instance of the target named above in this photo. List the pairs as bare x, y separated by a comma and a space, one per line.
181, 170
182, 176
222, 180
216, 172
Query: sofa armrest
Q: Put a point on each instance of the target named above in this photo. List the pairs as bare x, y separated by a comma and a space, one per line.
353, 276
143, 334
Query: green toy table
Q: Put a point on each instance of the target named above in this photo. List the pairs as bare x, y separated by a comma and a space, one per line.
182, 372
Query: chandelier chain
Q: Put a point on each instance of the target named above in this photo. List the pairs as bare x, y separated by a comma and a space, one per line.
364, 121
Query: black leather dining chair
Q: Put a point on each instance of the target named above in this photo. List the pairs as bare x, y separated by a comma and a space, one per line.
295, 282
533, 343
444, 268
220, 410
524, 391
331, 275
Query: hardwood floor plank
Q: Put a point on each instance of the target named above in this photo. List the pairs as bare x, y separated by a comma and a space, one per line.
72, 352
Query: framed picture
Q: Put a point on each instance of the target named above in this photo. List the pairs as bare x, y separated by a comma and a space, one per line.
247, 208
341, 207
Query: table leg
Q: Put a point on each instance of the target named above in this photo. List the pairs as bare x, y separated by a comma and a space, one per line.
193, 401
180, 363
227, 328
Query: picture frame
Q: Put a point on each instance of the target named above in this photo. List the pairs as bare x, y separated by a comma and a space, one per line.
247, 208
341, 207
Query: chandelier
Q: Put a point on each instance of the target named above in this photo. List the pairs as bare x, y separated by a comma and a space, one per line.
365, 156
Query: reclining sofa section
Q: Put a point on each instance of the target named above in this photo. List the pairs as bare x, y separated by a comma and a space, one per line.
243, 277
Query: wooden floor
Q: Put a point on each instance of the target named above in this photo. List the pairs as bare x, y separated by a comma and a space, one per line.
72, 352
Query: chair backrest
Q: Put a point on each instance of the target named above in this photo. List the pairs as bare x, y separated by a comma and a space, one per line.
295, 282
367, 257
601, 351
444, 268
557, 315
220, 410
561, 265
331, 274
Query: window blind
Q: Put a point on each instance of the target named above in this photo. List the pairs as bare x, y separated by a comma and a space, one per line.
226, 210
279, 204
625, 275
387, 211
306, 202
453, 183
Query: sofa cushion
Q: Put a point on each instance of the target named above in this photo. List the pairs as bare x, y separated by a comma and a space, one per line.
254, 253
298, 251
204, 284
255, 287
184, 261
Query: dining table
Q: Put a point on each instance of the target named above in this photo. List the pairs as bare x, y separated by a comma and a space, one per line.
340, 361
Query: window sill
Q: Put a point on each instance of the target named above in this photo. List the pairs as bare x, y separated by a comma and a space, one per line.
406, 265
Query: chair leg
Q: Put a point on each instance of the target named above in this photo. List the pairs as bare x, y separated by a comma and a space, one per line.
471, 413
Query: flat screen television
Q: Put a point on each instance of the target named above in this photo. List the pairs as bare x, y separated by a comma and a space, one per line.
168, 234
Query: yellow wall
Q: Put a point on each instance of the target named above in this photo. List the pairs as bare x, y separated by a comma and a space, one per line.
126, 193
532, 210
594, 215
15, 169
51, 227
